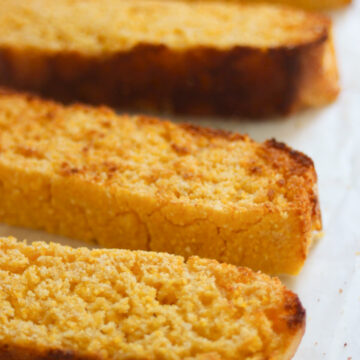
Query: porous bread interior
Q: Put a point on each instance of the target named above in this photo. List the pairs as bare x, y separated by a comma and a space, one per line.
146, 305
151, 158
108, 26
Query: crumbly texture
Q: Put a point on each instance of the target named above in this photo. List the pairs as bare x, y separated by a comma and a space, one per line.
107, 26
186, 57
62, 303
140, 183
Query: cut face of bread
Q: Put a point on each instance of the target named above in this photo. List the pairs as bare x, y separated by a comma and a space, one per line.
140, 183
63, 303
187, 57
173, 24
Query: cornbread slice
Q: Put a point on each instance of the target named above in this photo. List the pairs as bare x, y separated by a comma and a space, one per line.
63, 303
141, 183
184, 57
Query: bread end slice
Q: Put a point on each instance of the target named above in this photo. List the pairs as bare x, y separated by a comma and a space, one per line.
238, 60
78, 304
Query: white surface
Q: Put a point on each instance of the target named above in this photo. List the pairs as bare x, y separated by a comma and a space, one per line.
329, 284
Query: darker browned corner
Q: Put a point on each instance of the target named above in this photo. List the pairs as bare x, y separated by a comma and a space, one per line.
296, 314
297, 156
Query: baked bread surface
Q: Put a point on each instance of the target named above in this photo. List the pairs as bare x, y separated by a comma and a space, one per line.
140, 183
185, 57
63, 303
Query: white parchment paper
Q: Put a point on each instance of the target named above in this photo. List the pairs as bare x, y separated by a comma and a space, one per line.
329, 284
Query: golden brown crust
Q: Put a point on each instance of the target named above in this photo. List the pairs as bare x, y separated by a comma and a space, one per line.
304, 162
319, 83
279, 154
202, 80
296, 313
296, 322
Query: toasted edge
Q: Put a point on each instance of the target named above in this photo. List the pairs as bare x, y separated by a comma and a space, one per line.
298, 75
319, 84
297, 164
296, 321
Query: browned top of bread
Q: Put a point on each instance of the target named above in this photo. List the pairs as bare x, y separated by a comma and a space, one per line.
184, 163
108, 26
63, 303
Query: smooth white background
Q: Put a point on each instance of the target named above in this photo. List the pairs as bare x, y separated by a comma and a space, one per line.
329, 284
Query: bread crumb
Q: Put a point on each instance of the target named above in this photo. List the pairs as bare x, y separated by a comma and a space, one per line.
319, 235
139, 304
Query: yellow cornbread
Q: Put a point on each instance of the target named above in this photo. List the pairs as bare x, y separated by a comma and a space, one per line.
140, 183
62, 303
107, 26
189, 57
